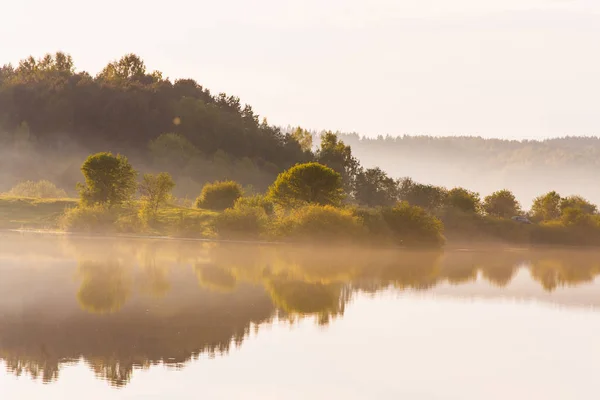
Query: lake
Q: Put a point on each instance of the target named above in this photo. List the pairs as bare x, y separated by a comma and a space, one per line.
102, 318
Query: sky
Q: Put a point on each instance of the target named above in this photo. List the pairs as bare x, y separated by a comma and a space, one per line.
505, 68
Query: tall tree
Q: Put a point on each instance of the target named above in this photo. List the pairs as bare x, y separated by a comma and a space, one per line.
338, 156
501, 204
303, 137
464, 200
429, 197
109, 180
547, 207
373, 187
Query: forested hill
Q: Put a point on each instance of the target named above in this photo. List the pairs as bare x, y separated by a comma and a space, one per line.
52, 116
569, 165
47, 105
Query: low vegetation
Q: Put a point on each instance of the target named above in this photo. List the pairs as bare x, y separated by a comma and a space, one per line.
219, 195
39, 190
22, 212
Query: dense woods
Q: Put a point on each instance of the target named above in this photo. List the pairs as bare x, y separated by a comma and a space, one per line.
46, 104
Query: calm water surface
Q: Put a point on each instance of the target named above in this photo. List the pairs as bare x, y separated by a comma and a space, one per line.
128, 319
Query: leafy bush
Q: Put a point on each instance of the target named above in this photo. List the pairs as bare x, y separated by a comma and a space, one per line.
412, 225
41, 189
372, 220
187, 223
241, 222
89, 219
256, 201
311, 183
219, 195
575, 216
101, 219
320, 223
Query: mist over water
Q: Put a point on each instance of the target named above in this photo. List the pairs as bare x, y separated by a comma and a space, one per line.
134, 317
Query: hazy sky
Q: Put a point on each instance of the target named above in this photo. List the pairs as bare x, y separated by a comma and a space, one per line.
503, 68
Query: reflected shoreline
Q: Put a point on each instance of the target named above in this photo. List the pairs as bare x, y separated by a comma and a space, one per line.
124, 304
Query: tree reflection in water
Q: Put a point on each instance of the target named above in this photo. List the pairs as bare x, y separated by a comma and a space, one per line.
139, 303
105, 286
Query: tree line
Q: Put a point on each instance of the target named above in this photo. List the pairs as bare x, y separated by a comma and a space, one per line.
189, 136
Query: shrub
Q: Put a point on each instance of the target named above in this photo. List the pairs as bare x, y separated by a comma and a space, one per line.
41, 189
101, 219
187, 223
256, 201
109, 180
311, 183
412, 225
241, 222
372, 220
575, 216
129, 221
219, 195
89, 219
320, 223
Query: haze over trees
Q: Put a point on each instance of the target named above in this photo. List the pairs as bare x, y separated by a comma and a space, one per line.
48, 107
52, 116
264, 181
526, 167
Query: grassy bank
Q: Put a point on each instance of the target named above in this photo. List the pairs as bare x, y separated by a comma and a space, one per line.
171, 220
30, 213
401, 225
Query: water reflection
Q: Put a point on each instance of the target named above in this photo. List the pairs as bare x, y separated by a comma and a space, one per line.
121, 305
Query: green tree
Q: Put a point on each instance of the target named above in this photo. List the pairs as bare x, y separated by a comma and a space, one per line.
156, 189
464, 200
373, 187
501, 204
129, 66
547, 207
109, 180
429, 197
578, 202
219, 195
303, 137
338, 156
307, 183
